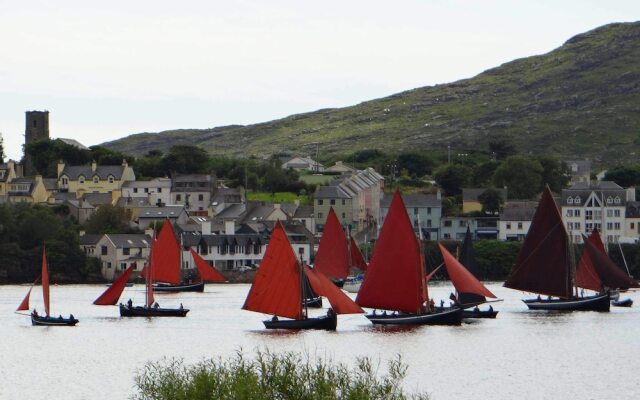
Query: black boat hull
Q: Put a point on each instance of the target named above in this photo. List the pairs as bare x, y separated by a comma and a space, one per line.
52, 321
449, 316
622, 303
326, 322
479, 314
313, 302
140, 311
600, 302
182, 287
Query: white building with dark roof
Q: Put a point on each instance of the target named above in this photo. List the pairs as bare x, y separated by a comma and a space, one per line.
117, 251
515, 220
154, 191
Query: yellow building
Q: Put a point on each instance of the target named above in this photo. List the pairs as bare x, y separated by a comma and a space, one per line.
30, 190
7, 174
93, 178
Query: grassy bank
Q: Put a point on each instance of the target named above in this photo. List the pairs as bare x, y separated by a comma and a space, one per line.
270, 376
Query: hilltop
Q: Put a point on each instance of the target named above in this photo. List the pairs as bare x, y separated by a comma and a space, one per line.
581, 100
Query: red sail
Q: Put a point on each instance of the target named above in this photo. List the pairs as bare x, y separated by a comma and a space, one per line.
333, 254
45, 281
586, 275
24, 305
356, 257
462, 279
610, 274
206, 271
165, 256
112, 294
543, 264
395, 277
340, 302
277, 287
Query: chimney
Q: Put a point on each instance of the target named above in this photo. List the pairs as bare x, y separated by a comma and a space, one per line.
229, 227
439, 195
276, 206
149, 232
93, 166
297, 202
60, 167
206, 227
124, 163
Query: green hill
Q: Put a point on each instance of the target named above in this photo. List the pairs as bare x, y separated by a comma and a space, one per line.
579, 100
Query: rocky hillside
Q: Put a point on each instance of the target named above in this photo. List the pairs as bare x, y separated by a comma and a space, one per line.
580, 100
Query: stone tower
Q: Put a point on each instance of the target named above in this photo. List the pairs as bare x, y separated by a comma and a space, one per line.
36, 128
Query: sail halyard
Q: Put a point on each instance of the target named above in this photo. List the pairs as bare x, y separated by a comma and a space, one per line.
543, 265
394, 280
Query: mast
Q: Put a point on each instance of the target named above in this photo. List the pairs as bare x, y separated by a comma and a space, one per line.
304, 309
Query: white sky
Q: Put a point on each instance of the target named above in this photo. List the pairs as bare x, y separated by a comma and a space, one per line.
108, 70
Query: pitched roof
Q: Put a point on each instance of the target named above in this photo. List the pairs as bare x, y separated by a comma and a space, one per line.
129, 240
414, 200
89, 239
98, 199
154, 212
304, 212
517, 214
102, 171
153, 183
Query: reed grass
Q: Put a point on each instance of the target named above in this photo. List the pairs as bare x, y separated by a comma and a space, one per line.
271, 376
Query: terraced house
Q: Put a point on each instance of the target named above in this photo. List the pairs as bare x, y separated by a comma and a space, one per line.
94, 178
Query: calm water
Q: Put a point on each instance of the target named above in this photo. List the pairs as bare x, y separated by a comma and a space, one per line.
520, 355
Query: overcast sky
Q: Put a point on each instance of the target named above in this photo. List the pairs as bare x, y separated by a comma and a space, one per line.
108, 70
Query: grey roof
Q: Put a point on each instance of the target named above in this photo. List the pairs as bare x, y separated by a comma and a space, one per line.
102, 171
597, 185
89, 239
517, 214
160, 212
227, 195
240, 239
415, 200
192, 183
129, 240
50, 184
303, 212
233, 211
28, 181
74, 143
132, 202
257, 212
85, 205
471, 194
156, 182
331, 192
61, 197
579, 167
601, 190
98, 199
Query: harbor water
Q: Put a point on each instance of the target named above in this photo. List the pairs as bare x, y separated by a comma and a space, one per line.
519, 355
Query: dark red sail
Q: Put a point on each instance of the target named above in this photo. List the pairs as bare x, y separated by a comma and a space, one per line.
357, 260
206, 271
586, 275
277, 288
543, 264
395, 277
462, 279
332, 258
165, 256
340, 302
112, 294
610, 274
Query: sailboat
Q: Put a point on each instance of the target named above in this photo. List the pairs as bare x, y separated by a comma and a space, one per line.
278, 289
471, 292
167, 263
337, 254
545, 265
151, 307
112, 293
597, 272
395, 278
47, 319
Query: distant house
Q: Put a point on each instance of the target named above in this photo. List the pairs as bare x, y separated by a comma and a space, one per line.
150, 214
515, 220
117, 251
470, 202
303, 164
632, 223
7, 174
425, 212
304, 214
88, 243
155, 191
340, 168
29, 190
580, 171
93, 178
81, 210
455, 228
194, 192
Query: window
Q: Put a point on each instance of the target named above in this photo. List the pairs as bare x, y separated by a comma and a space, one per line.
569, 213
609, 225
589, 226
576, 213
577, 200
577, 225
126, 251
257, 248
109, 265
416, 211
616, 200
616, 213
508, 225
519, 225
332, 202
344, 202
616, 226
461, 224
319, 215
588, 214
135, 190
570, 226
81, 179
632, 225
110, 179
609, 213
446, 236
569, 200
447, 223
344, 216
65, 180
103, 250
598, 226
123, 266
598, 214
96, 179
178, 197
320, 202
415, 222
428, 223
428, 210
609, 200
200, 197
146, 190
159, 190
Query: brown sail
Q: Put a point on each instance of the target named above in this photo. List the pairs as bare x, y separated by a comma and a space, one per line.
610, 274
543, 264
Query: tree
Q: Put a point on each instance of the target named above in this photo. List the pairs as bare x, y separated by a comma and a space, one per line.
483, 173
491, 201
109, 219
452, 178
501, 148
521, 175
555, 173
416, 164
186, 159
625, 175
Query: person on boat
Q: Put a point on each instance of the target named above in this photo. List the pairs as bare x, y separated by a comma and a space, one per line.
432, 304
181, 307
60, 316
330, 313
71, 317
129, 303
476, 309
490, 308
156, 305
34, 313
539, 298
441, 303
453, 297
275, 318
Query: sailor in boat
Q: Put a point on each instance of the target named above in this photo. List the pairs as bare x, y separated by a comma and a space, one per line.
34, 313
129, 303
441, 303
156, 305
476, 309
181, 307
330, 312
275, 318
490, 308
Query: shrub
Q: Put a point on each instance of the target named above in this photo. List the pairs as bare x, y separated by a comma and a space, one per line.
270, 376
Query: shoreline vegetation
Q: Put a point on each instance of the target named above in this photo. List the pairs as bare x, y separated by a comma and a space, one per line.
268, 375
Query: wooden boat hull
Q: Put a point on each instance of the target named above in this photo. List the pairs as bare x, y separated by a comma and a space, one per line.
52, 321
140, 311
599, 302
479, 314
182, 287
622, 303
448, 316
313, 302
326, 322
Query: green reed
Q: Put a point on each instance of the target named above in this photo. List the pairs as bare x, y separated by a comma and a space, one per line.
271, 376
